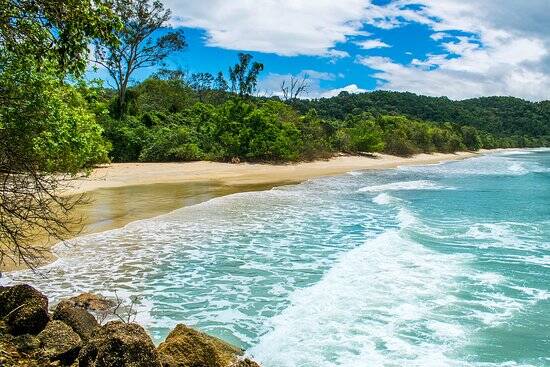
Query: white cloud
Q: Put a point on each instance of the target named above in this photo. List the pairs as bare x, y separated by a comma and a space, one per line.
438, 36
508, 54
371, 44
271, 84
469, 76
284, 27
352, 88
503, 46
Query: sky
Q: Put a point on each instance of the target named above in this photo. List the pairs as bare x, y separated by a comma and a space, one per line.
455, 48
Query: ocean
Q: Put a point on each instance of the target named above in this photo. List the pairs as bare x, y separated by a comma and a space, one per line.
438, 265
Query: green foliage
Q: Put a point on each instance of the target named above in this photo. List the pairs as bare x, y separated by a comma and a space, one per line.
510, 120
168, 122
364, 135
46, 124
55, 33
244, 75
136, 47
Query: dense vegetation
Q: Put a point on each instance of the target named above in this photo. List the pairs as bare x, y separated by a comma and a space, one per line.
182, 119
46, 125
513, 121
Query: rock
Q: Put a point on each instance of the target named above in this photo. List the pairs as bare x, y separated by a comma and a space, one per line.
22, 350
26, 343
24, 308
80, 320
91, 302
246, 363
187, 347
29, 318
60, 342
117, 344
13, 297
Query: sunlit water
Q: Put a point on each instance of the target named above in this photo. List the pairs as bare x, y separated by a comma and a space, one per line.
442, 265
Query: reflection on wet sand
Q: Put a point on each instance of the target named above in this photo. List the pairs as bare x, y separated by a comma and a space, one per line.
110, 208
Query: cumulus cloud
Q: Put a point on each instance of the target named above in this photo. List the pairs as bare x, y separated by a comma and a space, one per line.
502, 47
507, 54
284, 27
352, 88
271, 84
371, 44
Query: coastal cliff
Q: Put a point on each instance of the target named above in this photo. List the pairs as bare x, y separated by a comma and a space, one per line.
31, 335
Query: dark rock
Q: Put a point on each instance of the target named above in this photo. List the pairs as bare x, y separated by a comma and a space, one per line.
29, 318
26, 343
80, 320
24, 308
187, 347
60, 342
117, 344
22, 350
13, 297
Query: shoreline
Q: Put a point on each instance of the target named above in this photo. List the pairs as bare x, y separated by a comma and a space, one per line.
122, 193
243, 174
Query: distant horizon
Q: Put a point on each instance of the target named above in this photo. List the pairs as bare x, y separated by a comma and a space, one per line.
458, 49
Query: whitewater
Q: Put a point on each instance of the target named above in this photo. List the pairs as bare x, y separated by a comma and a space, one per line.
439, 265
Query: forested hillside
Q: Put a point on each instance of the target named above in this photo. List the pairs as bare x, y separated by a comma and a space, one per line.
173, 117
502, 116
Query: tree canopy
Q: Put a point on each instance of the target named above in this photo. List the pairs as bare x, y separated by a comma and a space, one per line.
47, 128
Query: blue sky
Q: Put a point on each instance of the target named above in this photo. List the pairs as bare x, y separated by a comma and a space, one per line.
456, 48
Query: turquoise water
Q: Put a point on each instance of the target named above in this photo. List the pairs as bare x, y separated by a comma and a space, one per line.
441, 265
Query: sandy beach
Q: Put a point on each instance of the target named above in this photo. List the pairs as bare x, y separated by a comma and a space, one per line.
226, 174
118, 194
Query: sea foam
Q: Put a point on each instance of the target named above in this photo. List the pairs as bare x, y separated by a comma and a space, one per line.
367, 309
404, 185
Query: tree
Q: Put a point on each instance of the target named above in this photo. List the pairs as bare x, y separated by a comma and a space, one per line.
47, 133
294, 87
137, 47
244, 75
201, 83
51, 31
220, 84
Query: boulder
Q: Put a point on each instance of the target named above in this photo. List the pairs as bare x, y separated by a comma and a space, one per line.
91, 302
13, 297
80, 320
117, 344
246, 363
30, 318
60, 342
22, 350
187, 347
24, 308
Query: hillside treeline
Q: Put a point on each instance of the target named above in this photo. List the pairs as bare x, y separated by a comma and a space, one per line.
170, 119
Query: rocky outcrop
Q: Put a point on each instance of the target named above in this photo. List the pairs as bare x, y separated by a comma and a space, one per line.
23, 350
118, 344
80, 320
90, 302
60, 342
75, 338
246, 363
24, 309
187, 347
26, 343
